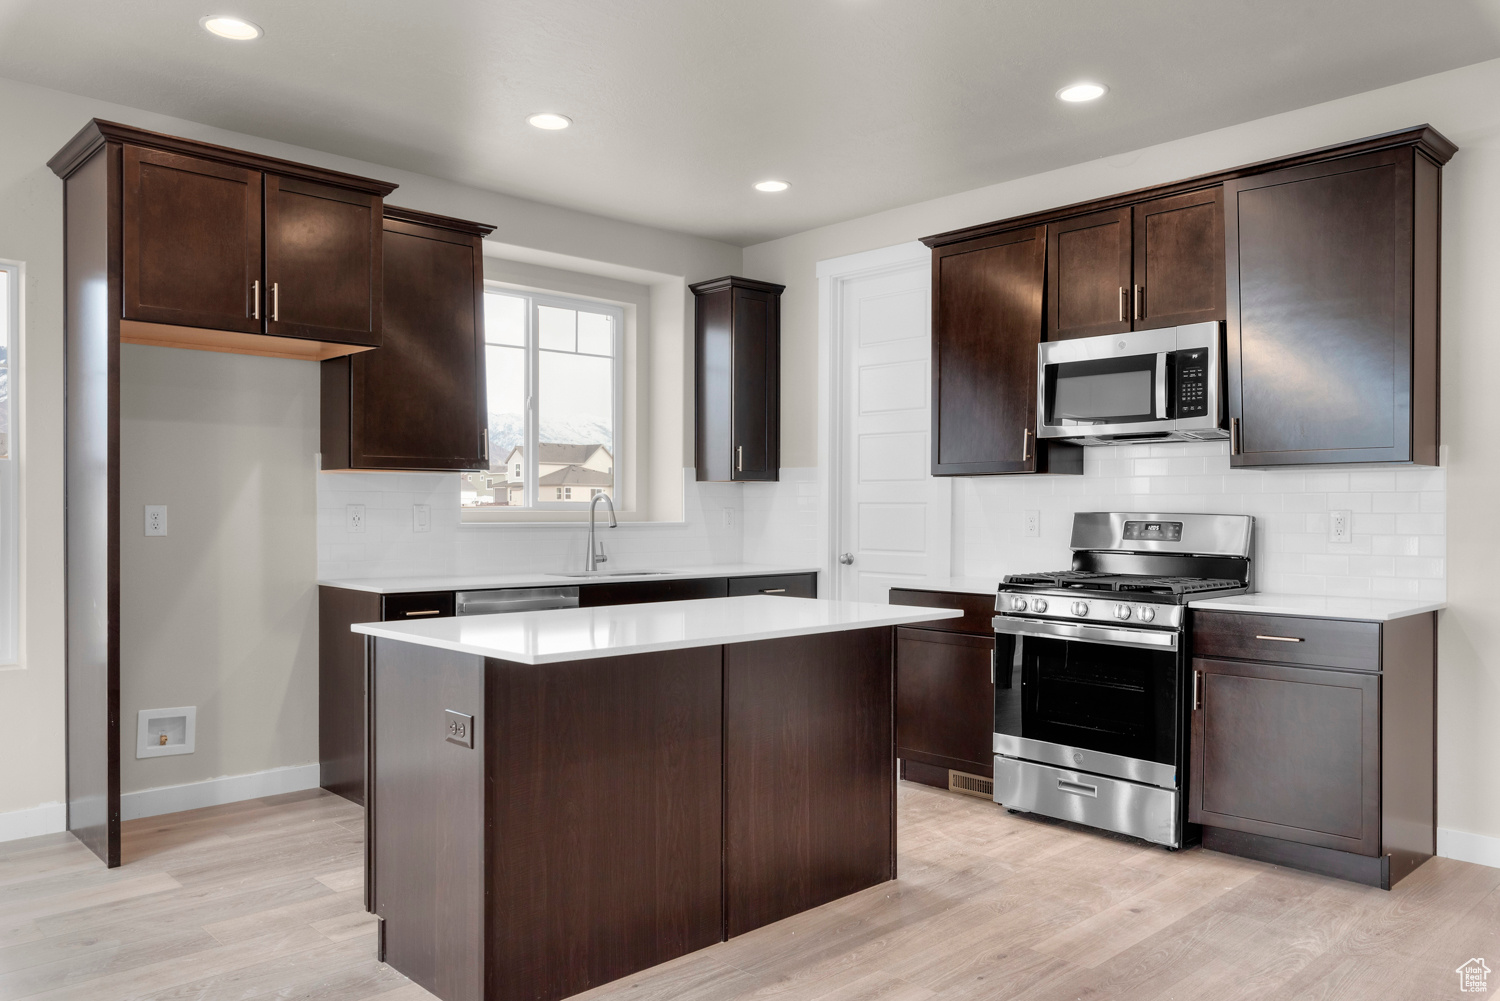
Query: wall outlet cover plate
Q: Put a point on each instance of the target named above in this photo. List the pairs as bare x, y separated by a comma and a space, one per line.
458, 728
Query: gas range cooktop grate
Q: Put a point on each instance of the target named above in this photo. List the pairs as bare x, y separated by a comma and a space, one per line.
1086, 580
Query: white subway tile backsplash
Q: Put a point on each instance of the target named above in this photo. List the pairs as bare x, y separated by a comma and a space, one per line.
1398, 546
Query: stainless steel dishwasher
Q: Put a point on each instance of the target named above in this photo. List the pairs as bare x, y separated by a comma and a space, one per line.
513, 599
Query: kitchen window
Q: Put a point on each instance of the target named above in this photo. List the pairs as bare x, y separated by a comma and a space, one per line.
10, 592
552, 365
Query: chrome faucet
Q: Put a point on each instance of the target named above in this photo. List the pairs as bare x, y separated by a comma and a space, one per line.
596, 558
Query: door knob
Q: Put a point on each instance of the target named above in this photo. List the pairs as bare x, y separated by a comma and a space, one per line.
847, 559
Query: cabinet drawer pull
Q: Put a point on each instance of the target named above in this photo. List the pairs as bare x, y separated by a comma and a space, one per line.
1136, 301
1122, 303
773, 590
429, 611
1077, 788
1280, 639
255, 300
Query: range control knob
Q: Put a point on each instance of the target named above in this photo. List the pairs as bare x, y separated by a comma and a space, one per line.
1038, 604
1145, 613
1122, 611
1080, 608
1018, 604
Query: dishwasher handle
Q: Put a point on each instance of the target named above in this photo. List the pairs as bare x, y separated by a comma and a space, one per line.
514, 599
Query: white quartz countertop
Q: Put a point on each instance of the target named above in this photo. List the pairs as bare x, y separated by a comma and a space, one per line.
564, 634
1320, 607
484, 582
956, 585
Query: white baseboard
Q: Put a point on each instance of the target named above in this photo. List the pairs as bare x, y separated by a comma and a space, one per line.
1477, 848
213, 792
49, 818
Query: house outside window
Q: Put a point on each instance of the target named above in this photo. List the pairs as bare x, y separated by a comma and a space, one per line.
553, 370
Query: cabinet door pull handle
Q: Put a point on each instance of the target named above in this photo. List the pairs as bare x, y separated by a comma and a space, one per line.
739, 458
773, 590
428, 611
1026, 445
1234, 436
484, 444
1121, 304
1197, 703
1280, 639
276, 301
1136, 301
255, 300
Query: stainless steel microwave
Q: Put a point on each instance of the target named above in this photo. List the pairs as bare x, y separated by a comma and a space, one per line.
1144, 385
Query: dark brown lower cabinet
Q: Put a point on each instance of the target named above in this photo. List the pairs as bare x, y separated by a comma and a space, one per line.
1317, 767
945, 702
594, 818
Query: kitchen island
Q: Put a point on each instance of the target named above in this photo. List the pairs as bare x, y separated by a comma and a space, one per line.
562, 798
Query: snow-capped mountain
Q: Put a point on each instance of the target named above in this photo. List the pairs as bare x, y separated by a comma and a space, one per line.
509, 430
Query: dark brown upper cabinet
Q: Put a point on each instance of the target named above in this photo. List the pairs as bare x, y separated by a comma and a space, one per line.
224, 250
418, 401
1178, 273
323, 262
192, 241
1088, 275
737, 362
1332, 335
1155, 264
986, 324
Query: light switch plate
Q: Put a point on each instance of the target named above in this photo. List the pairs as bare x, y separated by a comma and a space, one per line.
156, 519
421, 517
458, 728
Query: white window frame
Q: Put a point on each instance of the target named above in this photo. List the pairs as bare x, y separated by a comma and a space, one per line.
10, 476
531, 499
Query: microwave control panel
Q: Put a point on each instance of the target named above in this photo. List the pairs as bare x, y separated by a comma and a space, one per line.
1191, 382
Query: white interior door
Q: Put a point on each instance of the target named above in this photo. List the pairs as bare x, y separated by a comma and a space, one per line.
895, 517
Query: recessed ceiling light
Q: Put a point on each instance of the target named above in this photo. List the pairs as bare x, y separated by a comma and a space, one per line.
771, 186
547, 120
1082, 92
236, 28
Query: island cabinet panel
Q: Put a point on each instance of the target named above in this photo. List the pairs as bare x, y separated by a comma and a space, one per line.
809, 773
1088, 275
428, 809
986, 325
192, 241
1332, 312
606, 818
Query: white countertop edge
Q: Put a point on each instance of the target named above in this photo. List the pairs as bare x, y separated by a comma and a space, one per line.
1321, 606
488, 582
446, 634
954, 585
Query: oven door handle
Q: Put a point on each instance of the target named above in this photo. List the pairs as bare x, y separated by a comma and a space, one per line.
1142, 639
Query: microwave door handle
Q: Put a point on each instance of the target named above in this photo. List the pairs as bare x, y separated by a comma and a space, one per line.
1161, 386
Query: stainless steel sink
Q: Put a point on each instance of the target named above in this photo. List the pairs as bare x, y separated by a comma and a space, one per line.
612, 573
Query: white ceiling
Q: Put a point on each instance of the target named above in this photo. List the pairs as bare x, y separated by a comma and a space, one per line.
680, 105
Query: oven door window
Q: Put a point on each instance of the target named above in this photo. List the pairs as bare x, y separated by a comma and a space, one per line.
1103, 391
1091, 696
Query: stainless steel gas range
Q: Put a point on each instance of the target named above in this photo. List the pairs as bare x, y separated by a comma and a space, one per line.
1092, 680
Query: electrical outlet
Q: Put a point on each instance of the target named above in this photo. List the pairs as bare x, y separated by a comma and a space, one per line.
156, 519
354, 517
421, 517
1031, 525
1340, 526
729, 517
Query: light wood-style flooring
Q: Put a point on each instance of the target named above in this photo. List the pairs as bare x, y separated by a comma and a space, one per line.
263, 900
